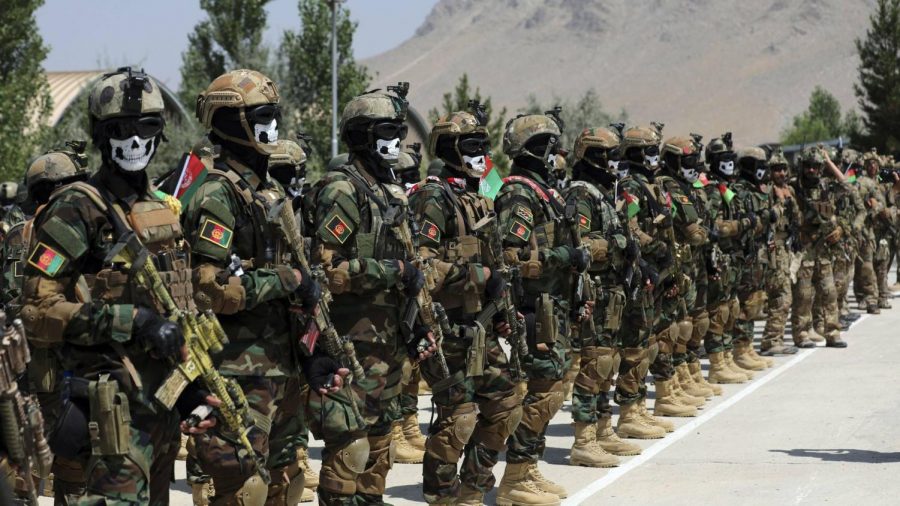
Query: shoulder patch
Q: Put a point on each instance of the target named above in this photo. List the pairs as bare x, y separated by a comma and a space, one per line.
46, 259
216, 233
519, 230
584, 222
431, 231
525, 213
339, 229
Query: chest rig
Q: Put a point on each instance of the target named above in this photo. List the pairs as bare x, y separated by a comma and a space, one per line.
158, 230
604, 220
549, 229
819, 208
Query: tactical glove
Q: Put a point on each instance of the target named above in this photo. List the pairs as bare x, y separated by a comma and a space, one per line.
579, 258
632, 250
420, 341
495, 286
648, 273
319, 371
309, 292
162, 338
412, 279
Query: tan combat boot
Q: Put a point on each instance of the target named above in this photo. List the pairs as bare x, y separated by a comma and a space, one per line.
202, 493
308, 495
182, 450
719, 372
611, 442
632, 425
653, 420
310, 477
729, 361
744, 359
412, 433
586, 451
405, 452
534, 474
468, 496
668, 404
691, 387
697, 375
815, 336
684, 397
517, 489
770, 362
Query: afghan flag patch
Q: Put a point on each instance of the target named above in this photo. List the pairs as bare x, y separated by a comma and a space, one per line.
216, 233
519, 230
46, 259
584, 222
431, 231
338, 228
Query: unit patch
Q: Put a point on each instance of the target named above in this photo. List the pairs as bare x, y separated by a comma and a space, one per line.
339, 229
431, 231
519, 230
216, 233
525, 213
46, 259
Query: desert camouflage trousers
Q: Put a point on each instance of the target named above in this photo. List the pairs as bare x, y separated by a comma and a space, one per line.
865, 285
780, 297
815, 279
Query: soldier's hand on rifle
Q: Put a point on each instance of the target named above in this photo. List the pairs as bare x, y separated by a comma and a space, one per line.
309, 292
324, 374
580, 258
649, 275
160, 337
195, 407
494, 286
190, 426
588, 311
411, 278
424, 345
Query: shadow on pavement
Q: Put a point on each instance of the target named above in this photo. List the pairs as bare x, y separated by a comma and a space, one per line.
411, 492
845, 455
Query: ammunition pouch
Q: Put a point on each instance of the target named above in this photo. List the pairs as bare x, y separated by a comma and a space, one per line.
110, 419
338, 280
218, 291
546, 323
532, 268
615, 306
477, 336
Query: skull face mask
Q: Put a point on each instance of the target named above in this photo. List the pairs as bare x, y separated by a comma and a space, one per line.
388, 149
475, 165
266, 133
726, 167
132, 154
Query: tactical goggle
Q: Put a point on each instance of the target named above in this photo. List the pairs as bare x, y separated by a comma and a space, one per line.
474, 145
542, 145
638, 155
145, 127
690, 161
263, 114
388, 130
778, 168
599, 156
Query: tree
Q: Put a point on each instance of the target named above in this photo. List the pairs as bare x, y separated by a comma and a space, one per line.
585, 112
24, 93
458, 100
878, 89
231, 38
304, 75
821, 120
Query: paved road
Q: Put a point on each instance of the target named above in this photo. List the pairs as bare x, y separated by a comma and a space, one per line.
819, 427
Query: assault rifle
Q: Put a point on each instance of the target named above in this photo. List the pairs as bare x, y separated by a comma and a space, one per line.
20, 415
320, 323
203, 335
583, 290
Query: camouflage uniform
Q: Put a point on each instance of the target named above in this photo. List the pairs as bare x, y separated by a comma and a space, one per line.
851, 216
865, 282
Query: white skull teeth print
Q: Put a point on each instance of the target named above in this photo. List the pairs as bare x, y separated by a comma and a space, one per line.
727, 168
475, 164
551, 160
652, 161
132, 154
388, 149
760, 174
689, 175
266, 133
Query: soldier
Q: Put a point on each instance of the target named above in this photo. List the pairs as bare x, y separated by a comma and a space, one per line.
545, 244
10, 212
244, 273
820, 232
614, 269
753, 258
81, 299
681, 157
360, 217
477, 406
786, 244
728, 226
409, 165
851, 215
866, 282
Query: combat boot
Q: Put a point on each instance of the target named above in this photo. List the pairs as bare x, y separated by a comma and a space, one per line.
517, 489
684, 397
779, 348
815, 336
534, 474
691, 387
412, 433
424, 387
719, 372
611, 442
586, 451
182, 450
743, 359
202, 493
668, 404
759, 358
468, 496
632, 425
884, 304
729, 361
834, 340
405, 452
697, 376
310, 477
873, 309
662, 423
308, 495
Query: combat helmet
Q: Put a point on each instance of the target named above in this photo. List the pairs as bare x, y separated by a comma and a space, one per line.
871, 155
598, 147
252, 99
461, 140
681, 155
409, 163
640, 145
753, 164
525, 128
372, 125
55, 168
810, 161
721, 157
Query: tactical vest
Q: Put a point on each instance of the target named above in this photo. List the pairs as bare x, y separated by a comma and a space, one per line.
158, 229
609, 225
545, 233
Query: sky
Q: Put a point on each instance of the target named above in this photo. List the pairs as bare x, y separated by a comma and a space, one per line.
92, 34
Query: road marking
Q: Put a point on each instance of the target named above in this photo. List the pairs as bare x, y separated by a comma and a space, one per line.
613, 475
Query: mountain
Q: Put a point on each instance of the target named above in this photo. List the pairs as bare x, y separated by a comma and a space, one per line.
703, 66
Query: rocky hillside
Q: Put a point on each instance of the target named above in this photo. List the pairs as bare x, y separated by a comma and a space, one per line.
695, 65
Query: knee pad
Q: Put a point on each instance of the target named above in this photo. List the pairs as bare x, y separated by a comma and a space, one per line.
685, 330
537, 414
341, 468
589, 378
454, 432
499, 419
296, 484
253, 492
382, 450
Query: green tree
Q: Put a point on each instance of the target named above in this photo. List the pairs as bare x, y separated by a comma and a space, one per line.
231, 38
821, 120
24, 93
458, 100
878, 89
587, 111
304, 75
